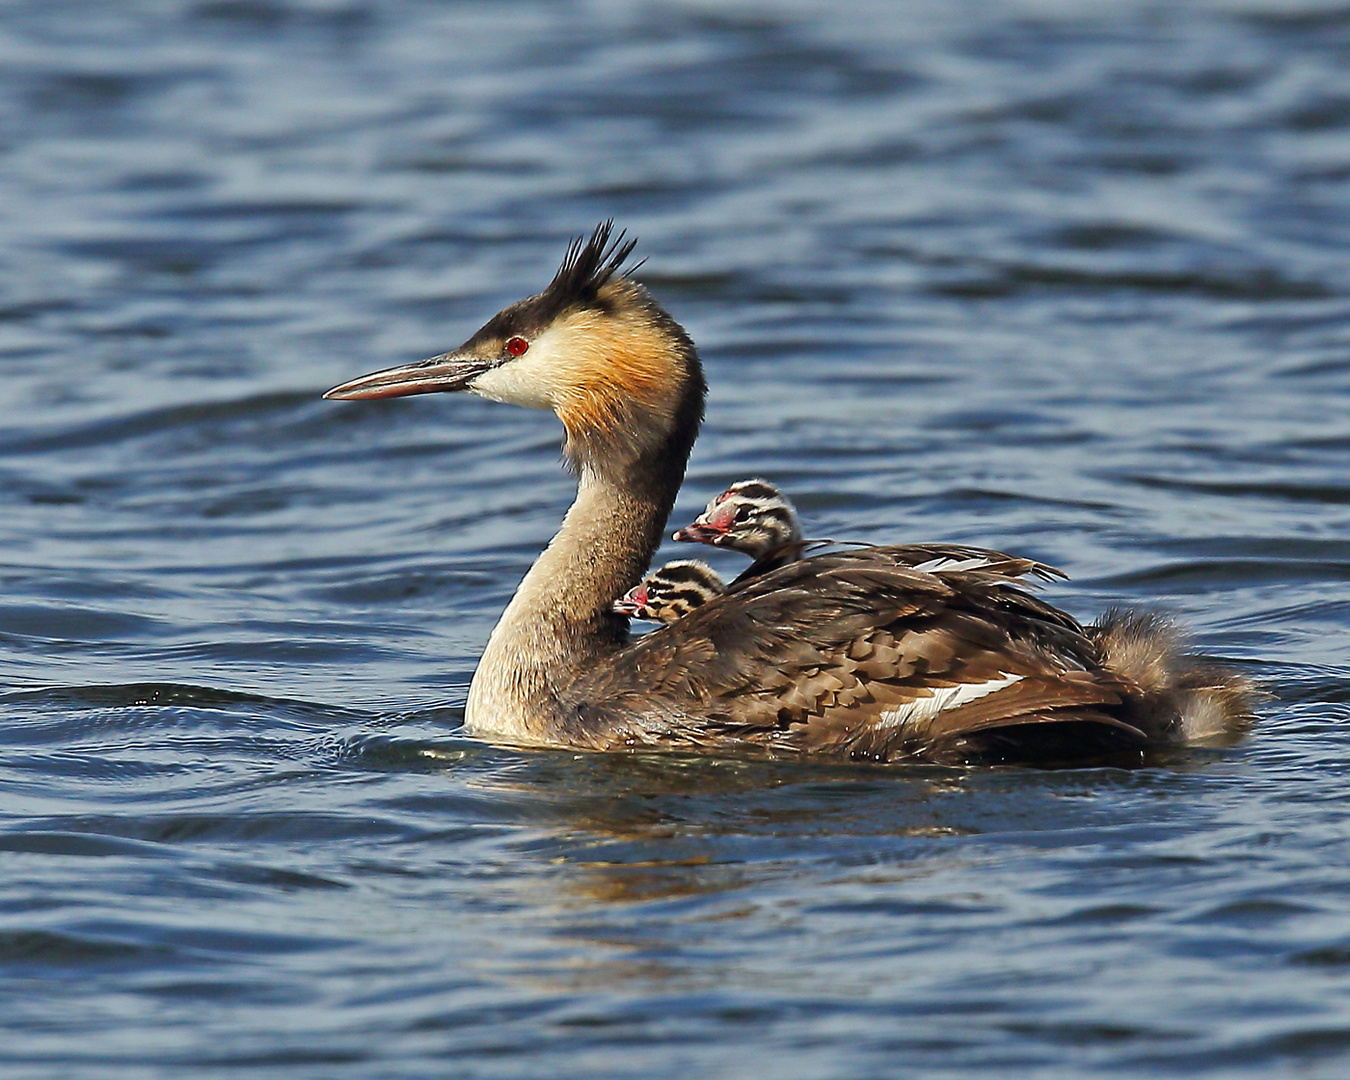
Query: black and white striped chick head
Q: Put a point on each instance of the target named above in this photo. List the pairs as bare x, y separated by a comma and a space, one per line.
671, 592
751, 516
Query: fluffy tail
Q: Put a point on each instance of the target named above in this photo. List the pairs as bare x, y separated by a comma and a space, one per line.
1185, 699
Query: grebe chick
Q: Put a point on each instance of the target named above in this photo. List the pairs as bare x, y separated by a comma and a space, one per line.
752, 516
755, 518
672, 592
863, 654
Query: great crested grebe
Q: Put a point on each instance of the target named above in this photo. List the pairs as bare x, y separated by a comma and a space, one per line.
672, 592
863, 653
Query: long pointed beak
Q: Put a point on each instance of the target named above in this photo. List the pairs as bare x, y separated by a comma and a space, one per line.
441, 374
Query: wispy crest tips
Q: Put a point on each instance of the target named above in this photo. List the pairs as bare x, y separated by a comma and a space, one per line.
589, 264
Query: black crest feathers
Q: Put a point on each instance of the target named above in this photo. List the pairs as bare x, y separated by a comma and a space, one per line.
587, 266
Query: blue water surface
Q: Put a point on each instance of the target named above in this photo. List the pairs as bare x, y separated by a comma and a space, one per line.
1063, 278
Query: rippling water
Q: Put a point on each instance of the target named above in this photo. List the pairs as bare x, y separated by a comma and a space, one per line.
1063, 278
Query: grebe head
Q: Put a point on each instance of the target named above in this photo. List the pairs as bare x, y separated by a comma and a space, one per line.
751, 516
672, 592
594, 347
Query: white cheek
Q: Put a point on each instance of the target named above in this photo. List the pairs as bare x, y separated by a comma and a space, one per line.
517, 382
528, 380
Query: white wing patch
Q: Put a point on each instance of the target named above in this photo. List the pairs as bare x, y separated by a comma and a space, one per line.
943, 698
936, 566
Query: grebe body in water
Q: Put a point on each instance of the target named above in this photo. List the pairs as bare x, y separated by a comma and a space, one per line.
865, 653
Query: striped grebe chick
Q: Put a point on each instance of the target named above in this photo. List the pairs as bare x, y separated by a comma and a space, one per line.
755, 518
871, 653
752, 516
671, 592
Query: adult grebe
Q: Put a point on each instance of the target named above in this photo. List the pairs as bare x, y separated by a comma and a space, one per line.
858, 654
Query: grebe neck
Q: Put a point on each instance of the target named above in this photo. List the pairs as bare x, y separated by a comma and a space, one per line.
561, 618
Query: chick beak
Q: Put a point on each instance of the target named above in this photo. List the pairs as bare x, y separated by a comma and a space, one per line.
631, 602
441, 374
699, 532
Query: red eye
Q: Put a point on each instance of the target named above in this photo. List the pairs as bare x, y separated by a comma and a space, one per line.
516, 346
